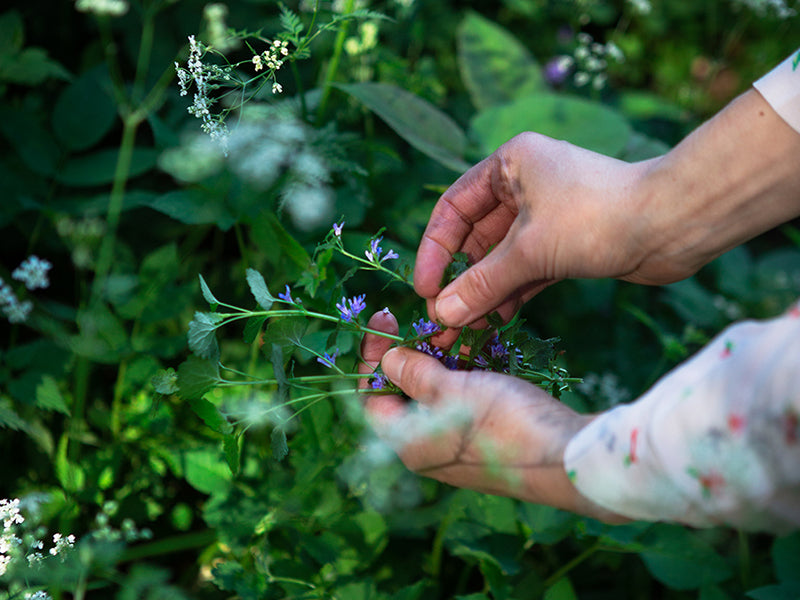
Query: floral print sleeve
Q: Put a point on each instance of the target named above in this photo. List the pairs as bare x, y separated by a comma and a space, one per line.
781, 88
716, 441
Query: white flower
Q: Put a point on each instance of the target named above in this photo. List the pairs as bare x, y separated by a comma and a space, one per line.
277, 88
33, 272
19, 312
112, 8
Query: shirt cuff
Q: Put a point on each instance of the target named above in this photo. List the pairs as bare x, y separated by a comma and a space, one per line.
781, 89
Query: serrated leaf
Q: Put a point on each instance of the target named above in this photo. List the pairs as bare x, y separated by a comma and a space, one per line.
49, 397
9, 419
258, 287
587, 124
416, 120
206, 291
165, 381
280, 448
458, 264
495, 66
232, 449
211, 415
202, 335
196, 376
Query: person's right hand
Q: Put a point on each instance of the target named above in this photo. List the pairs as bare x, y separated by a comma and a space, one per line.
547, 210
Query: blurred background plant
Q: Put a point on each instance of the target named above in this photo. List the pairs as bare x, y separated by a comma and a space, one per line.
114, 200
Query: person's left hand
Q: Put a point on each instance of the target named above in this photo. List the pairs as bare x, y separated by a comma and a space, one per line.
483, 431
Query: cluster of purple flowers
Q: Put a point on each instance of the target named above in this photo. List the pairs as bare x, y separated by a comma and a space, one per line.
424, 328
374, 252
350, 309
329, 360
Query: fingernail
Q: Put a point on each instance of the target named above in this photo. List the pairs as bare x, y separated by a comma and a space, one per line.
451, 310
392, 364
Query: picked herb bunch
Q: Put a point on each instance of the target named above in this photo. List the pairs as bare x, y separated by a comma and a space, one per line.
283, 326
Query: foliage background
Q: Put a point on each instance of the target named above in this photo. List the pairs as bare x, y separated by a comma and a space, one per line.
82, 423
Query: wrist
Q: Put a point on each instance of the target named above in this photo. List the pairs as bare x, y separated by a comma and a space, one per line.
732, 179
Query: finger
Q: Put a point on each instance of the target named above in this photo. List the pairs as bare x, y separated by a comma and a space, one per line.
381, 410
465, 203
485, 286
419, 375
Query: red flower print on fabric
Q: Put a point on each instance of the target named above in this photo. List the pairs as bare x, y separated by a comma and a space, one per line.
631, 457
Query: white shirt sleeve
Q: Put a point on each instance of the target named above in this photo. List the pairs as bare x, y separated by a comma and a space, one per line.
781, 89
716, 441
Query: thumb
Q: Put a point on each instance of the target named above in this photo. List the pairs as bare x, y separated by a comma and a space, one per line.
483, 287
418, 374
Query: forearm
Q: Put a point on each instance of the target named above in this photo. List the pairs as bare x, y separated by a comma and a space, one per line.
735, 177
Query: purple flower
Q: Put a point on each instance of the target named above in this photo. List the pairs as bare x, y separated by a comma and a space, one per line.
374, 251
287, 295
390, 255
557, 69
498, 349
337, 229
425, 328
350, 309
430, 350
379, 382
451, 362
329, 360
481, 362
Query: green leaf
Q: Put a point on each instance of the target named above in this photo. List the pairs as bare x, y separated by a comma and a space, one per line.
681, 560
194, 207
281, 249
786, 558
49, 397
205, 471
9, 419
99, 168
775, 592
206, 291
458, 264
202, 334
165, 381
12, 32
85, 111
210, 415
417, 121
280, 448
258, 287
495, 66
560, 590
33, 144
196, 376
581, 122
31, 66
252, 328
233, 451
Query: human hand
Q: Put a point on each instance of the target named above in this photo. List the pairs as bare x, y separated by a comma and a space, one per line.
478, 430
548, 210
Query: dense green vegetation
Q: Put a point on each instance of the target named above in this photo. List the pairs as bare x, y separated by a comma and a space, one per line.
117, 428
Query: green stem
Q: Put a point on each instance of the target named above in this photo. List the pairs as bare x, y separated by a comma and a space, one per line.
571, 565
121, 172
145, 51
333, 65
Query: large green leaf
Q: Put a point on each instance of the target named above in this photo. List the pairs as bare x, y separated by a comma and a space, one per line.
85, 111
206, 471
417, 121
581, 122
196, 376
786, 558
495, 66
681, 560
193, 207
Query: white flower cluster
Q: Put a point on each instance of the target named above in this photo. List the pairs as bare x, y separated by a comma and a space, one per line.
272, 58
591, 59
203, 76
111, 8
33, 273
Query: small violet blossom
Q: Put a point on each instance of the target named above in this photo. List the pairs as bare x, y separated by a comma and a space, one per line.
287, 295
425, 328
329, 360
430, 350
337, 229
350, 309
379, 382
374, 252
